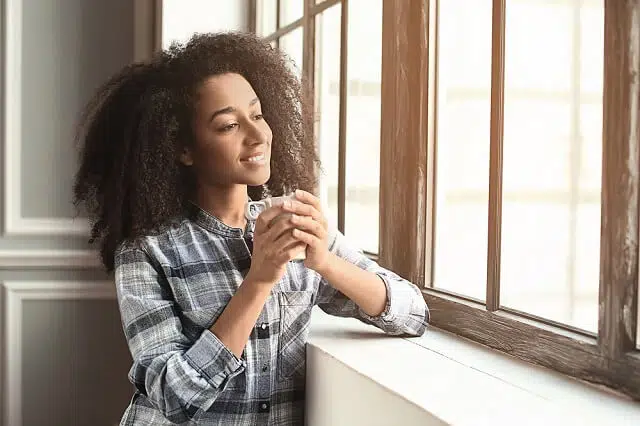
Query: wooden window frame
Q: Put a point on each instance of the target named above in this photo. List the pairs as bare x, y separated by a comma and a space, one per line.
407, 187
407, 198
307, 23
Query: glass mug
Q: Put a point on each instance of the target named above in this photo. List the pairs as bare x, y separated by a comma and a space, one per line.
254, 208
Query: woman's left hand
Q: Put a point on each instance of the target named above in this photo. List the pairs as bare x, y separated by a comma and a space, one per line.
311, 228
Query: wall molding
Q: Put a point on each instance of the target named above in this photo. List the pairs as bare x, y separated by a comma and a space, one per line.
14, 222
16, 292
50, 259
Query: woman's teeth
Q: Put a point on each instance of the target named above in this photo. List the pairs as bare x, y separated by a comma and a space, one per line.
255, 158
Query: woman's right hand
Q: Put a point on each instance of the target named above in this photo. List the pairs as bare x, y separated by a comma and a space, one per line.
273, 247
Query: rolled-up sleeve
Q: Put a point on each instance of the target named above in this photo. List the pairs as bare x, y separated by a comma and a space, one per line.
181, 377
406, 312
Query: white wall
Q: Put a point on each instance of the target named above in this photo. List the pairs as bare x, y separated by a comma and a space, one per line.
64, 356
337, 395
357, 376
181, 19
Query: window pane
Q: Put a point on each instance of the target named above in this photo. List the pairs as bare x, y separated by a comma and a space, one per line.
291, 44
180, 19
462, 154
290, 10
591, 152
552, 160
266, 14
363, 123
327, 97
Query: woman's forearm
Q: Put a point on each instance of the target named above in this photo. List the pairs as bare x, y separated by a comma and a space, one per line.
366, 289
233, 327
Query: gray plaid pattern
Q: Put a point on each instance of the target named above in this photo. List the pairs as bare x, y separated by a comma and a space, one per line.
173, 286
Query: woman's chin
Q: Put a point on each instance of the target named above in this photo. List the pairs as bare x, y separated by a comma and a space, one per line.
258, 179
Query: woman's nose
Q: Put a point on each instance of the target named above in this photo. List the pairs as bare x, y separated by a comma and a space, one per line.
256, 135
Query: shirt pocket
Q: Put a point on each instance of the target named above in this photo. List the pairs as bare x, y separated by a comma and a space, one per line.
295, 315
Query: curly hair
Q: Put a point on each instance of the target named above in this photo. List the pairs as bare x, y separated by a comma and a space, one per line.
130, 180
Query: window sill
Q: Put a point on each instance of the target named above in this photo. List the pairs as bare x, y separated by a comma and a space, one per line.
357, 375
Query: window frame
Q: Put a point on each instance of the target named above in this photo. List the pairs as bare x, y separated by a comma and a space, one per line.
313, 8
407, 182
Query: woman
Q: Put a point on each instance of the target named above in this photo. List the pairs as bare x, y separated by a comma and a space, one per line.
215, 312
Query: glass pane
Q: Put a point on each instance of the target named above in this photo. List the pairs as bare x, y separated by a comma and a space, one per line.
290, 10
462, 155
363, 123
266, 15
182, 19
292, 45
327, 75
552, 160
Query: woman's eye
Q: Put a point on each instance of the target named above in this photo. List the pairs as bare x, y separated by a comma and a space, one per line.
228, 127
258, 117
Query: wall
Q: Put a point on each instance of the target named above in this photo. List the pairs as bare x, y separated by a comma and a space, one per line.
337, 395
64, 356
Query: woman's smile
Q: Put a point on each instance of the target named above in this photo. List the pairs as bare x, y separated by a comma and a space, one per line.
255, 159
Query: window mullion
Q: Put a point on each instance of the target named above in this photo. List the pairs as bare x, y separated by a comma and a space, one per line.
308, 62
342, 124
618, 299
495, 156
404, 178
432, 142
277, 40
253, 16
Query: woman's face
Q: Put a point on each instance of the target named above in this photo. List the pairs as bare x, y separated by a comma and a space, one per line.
232, 139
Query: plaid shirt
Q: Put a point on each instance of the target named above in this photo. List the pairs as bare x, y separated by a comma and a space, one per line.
173, 286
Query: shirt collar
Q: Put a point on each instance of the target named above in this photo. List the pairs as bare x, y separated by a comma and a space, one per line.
215, 225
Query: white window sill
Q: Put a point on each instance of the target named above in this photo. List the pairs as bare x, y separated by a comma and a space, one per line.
358, 376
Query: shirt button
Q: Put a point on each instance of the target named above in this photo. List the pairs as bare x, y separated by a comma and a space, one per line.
263, 331
264, 407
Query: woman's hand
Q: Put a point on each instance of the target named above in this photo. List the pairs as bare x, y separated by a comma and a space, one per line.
273, 247
311, 228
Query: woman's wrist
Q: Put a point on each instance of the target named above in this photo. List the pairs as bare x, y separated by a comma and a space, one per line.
258, 283
326, 269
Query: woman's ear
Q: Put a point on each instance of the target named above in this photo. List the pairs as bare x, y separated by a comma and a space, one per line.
185, 157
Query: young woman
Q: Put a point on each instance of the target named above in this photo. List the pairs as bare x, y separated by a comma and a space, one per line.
214, 309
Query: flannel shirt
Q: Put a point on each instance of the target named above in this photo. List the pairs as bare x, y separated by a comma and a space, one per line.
172, 287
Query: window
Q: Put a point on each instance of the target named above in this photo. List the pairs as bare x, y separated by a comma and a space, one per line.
551, 156
177, 22
324, 40
498, 151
